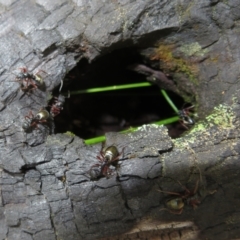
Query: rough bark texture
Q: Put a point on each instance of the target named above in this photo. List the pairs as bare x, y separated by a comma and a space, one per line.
45, 189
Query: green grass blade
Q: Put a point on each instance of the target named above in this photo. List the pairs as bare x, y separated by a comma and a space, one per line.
95, 140
131, 129
167, 121
165, 95
112, 88
161, 122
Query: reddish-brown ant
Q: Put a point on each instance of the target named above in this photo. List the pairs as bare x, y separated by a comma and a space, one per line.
192, 198
29, 81
175, 205
57, 105
32, 121
108, 156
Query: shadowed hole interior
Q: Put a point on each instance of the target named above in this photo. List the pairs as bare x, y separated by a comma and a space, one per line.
93, 114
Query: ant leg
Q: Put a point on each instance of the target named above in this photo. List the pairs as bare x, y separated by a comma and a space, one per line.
23, 69
171, 211
31, 84
117, 170
68, 94
188, 108
30, 115
186, 189
194, 203
183, 125
170, 193
61, 85
122, 152
95, 165
37, 73
196, 187
42, 121
117, 157
101, 158
189, 193
179, 212
34, 125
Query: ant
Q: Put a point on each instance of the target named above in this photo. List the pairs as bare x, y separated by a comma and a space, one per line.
57, 105
58, 102
192, 198
185, 118
175, 205
32, 121
108, 156
29, 81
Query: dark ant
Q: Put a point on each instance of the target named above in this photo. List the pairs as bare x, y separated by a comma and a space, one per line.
107, 157
32, 121
57, 105
185, 118
29, 81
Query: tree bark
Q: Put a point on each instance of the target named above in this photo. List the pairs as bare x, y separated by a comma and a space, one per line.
46, 190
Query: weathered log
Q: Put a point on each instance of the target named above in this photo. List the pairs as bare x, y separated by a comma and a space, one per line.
46, 191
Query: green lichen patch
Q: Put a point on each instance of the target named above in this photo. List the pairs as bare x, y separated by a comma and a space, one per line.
193, 49
70, 134
222, 116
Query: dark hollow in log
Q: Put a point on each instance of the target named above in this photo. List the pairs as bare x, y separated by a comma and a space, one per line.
91, 115
187, 187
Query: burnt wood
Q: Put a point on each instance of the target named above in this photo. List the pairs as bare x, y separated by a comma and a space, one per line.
46, 191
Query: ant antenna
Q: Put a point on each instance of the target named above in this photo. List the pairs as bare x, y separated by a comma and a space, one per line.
68, 94
61, 85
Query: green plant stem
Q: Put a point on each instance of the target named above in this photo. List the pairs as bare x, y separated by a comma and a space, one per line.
95, 140
131, 129
112, 88
126, 86
165, 95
